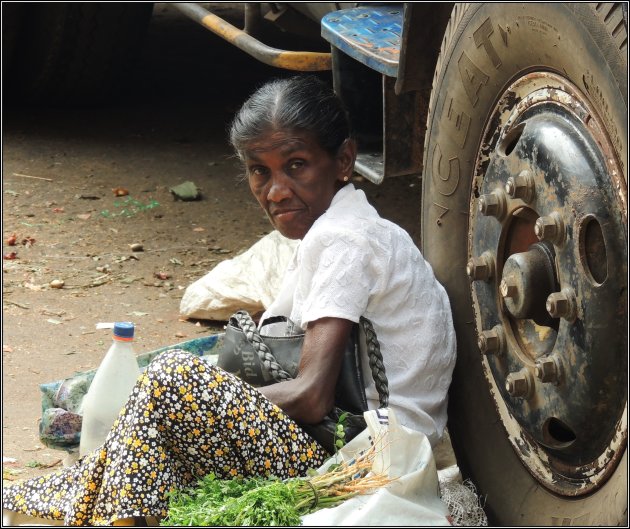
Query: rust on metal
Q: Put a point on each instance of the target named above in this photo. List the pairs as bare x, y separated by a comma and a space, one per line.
303, 61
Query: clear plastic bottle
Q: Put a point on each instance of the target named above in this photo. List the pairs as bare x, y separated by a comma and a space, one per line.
110, 388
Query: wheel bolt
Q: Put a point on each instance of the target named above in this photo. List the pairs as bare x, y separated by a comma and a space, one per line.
508, 288
521, 186
493, 204
548, 370
562, 305
550, 228
492, 341
519, 384
481, 268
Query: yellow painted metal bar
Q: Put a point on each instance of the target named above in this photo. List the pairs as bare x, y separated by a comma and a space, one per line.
304, 61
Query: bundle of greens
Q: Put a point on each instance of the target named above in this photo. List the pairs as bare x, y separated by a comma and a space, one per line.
270, 501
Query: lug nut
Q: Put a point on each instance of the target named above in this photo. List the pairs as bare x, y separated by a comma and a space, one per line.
521, 186
508, 288
562, 305
519, 384
493, 204
548, 370
481, 268
550, 228
492, 341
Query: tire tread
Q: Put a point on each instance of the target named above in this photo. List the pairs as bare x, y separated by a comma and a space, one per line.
77, 52
612, 17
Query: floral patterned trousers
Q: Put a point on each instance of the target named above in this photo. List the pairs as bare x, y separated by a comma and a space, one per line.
184, 419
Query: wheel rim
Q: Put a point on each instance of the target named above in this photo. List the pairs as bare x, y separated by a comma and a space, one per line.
547, 263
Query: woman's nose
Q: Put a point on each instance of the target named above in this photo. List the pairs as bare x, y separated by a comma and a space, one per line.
279, 189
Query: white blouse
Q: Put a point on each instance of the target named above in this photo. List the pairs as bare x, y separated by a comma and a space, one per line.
354, 263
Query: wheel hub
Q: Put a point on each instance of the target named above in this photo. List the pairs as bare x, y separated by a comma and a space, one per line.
528, 279
547, 266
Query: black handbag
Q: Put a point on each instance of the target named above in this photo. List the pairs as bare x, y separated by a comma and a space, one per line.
262, 360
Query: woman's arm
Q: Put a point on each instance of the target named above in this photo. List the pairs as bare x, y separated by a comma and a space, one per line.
310, 396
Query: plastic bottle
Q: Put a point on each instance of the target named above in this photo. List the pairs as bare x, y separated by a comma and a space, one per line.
110, 388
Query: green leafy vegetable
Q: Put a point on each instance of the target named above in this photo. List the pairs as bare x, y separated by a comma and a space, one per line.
258, 501
340, 433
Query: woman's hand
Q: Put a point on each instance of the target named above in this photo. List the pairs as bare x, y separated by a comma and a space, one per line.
310, 396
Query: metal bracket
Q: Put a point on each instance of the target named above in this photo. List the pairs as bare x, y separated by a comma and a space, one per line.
304, 61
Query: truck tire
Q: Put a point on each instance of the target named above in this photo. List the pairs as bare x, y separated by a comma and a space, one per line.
524, 220
74, 53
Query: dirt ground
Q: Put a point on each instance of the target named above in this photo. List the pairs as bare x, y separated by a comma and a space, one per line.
60, 167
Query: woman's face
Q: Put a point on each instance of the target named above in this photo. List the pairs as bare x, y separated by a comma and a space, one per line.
294, 179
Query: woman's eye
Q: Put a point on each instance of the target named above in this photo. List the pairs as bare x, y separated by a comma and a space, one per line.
257, 171
296, 164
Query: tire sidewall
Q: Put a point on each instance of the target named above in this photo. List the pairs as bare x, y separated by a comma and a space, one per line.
525, 37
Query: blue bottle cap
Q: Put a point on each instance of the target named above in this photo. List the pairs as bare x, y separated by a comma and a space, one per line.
123, 329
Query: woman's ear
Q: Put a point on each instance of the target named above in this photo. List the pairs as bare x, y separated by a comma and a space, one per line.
346, 156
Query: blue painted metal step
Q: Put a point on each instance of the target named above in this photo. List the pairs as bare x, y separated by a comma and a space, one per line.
371, 35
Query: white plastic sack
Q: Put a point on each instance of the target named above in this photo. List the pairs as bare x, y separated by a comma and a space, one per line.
413, 498
249, 281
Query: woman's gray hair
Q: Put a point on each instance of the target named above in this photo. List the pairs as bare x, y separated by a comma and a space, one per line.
297, 103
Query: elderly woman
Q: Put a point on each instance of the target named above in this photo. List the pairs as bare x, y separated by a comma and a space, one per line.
186, 418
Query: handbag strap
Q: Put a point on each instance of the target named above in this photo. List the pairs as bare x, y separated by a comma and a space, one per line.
247, 325
375, 358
